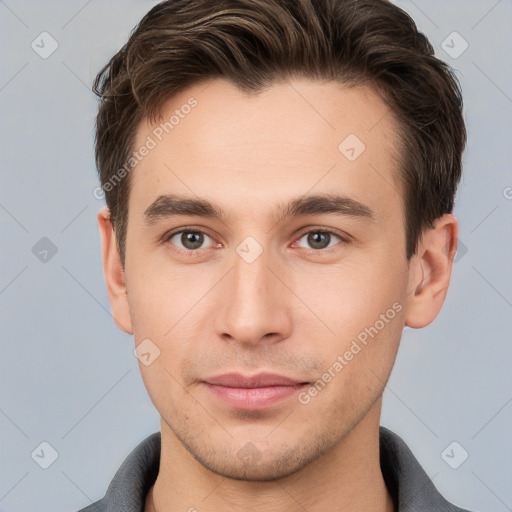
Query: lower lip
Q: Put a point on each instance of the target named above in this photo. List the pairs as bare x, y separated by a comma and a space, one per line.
254, 399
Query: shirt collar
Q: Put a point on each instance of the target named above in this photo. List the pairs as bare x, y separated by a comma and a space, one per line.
410, 487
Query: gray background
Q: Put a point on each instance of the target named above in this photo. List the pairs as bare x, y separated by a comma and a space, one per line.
69, 376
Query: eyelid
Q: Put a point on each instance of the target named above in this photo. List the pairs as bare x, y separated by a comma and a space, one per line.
345, 238
179, 229
322, 229
170, 234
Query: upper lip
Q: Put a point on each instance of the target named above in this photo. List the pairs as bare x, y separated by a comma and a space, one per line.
237, 380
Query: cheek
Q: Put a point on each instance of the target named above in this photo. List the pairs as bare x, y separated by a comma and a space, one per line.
351, 297
163, 386
363, 307
357, 364
160, 298
156, 308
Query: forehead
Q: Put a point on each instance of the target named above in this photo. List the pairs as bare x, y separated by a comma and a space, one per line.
288, 139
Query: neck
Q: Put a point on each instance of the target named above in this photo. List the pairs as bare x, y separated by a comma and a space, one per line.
349, 476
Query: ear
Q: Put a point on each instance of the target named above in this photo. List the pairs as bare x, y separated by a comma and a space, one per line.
430, 272
114, 273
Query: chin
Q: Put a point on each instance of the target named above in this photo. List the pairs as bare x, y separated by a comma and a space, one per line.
254, 471
252, 463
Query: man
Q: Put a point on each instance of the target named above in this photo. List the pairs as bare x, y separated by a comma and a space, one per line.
279, 178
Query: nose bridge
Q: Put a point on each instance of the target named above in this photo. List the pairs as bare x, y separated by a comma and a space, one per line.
254, 304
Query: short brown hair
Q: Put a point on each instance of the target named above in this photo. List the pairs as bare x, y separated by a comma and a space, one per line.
254, 43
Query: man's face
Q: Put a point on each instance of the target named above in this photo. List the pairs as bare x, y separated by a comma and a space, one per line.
256, 291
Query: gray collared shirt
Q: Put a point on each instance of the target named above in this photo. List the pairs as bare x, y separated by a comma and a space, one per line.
409, 485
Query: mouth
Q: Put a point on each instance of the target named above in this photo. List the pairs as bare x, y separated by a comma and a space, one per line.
252, 393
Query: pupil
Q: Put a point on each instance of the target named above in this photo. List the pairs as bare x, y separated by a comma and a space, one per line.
316, 240
192, 240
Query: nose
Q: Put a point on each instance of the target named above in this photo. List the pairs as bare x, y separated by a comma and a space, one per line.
255, 303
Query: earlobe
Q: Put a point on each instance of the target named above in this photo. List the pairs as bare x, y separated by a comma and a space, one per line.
430, 272
114, 273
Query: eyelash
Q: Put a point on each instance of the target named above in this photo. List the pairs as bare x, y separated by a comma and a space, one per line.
197, 252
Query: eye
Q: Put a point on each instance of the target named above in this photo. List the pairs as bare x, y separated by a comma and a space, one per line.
193, 239
190, 240
320, 239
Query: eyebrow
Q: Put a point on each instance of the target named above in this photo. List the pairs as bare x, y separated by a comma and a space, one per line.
170, 205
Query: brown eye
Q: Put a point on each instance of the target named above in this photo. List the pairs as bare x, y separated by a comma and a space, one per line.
189, 240
319, 239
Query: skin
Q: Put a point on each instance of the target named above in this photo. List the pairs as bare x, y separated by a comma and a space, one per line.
292, 311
